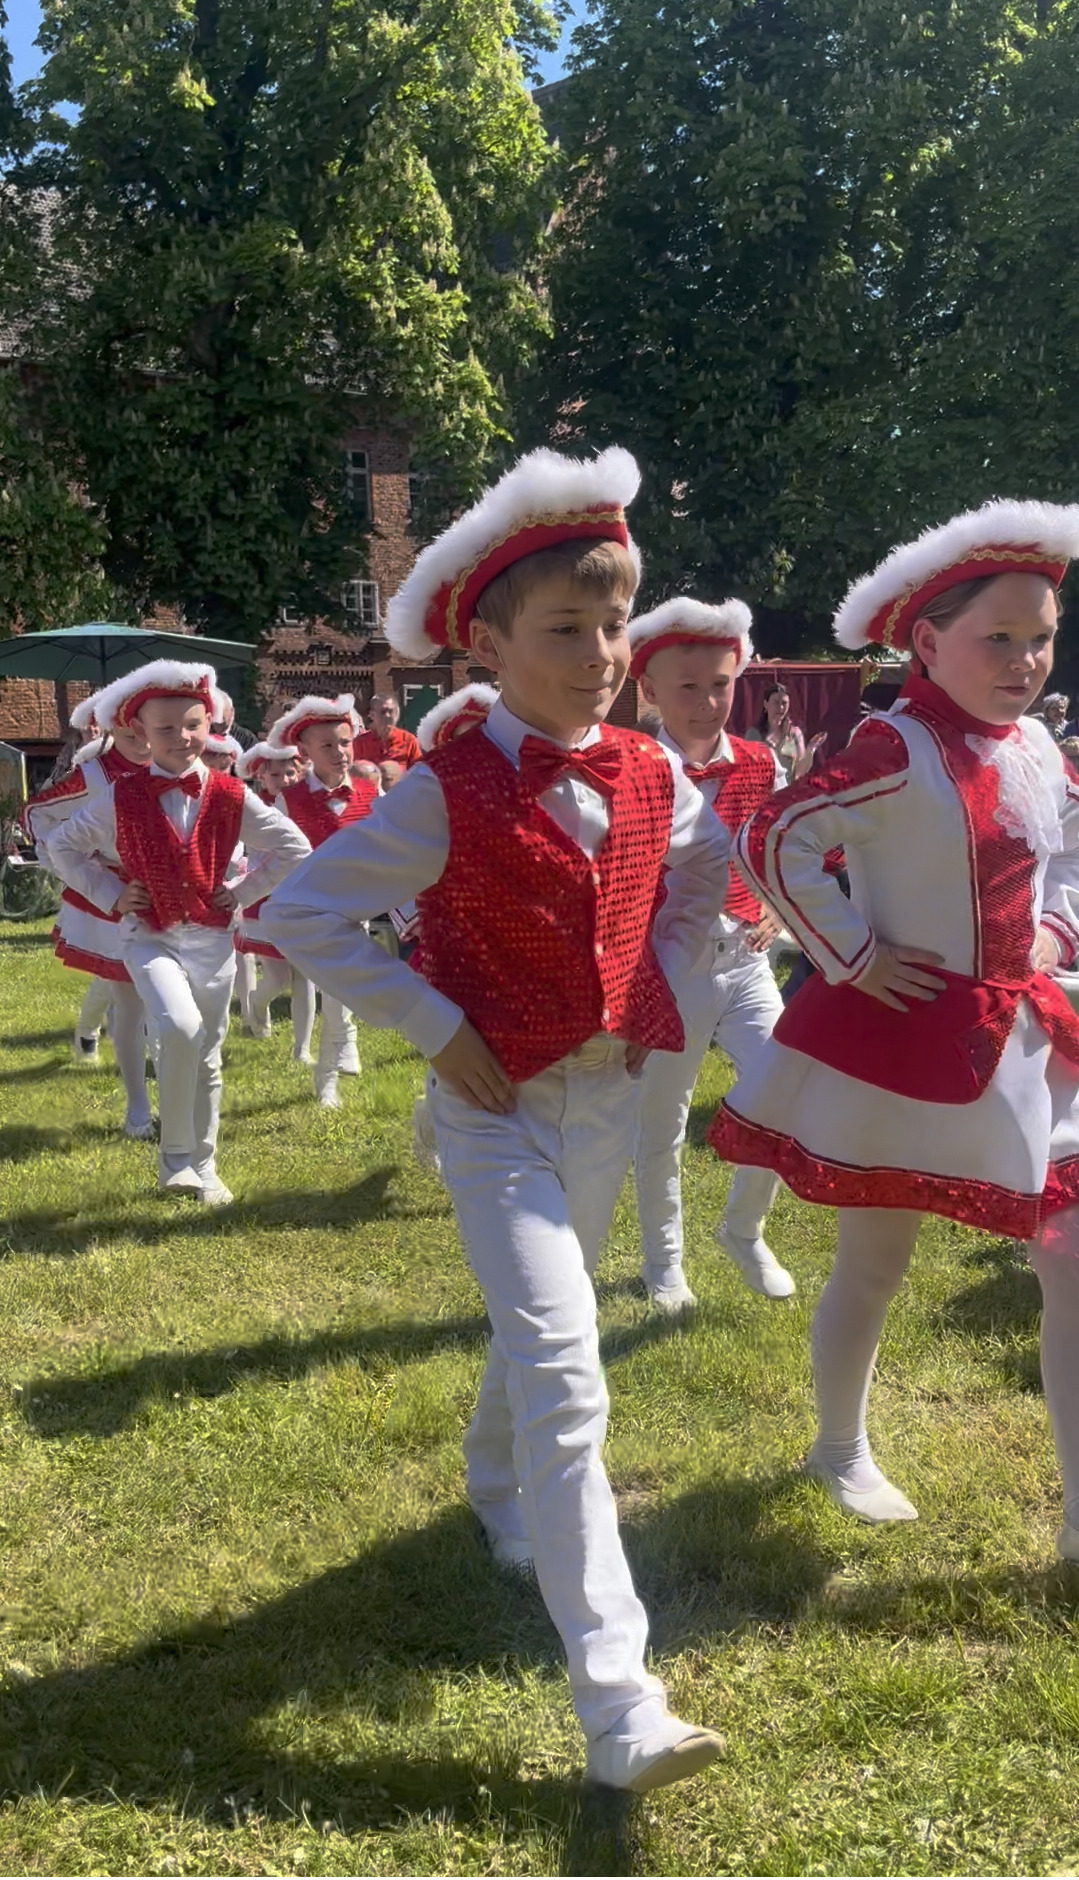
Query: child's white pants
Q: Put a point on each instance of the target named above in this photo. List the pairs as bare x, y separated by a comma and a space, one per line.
276, 978
337, 1037
534, 1193
184, 978
738, 1006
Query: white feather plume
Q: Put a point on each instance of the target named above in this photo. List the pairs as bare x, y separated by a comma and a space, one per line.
333, 710
163, 674
449, 708
1051, 527
730, 620
85, 752
541, 484
83, 715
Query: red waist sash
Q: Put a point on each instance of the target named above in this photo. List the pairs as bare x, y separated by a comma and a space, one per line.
944, 1050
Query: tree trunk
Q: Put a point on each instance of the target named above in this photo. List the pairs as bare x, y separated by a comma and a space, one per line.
63, 708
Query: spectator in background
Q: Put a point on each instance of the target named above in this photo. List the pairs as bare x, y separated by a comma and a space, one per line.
1070, 750
1054, 716
786, 739
384, 740
390, 772
224, 722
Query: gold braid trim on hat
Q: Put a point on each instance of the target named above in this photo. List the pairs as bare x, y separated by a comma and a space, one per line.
550, 521
997, 553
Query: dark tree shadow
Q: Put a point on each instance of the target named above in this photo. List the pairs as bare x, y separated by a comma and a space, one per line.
19, 942
21, 1141
26, 1040
1005, 1300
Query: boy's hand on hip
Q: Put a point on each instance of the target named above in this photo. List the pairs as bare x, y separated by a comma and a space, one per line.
899, 974
134, 898
474, 1074
223, 899
637, 1056
1045, 953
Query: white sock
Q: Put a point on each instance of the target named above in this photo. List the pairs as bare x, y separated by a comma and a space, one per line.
873, 1253
1055, 1259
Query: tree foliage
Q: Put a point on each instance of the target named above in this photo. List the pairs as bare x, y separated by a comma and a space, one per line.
819, 267
270, 214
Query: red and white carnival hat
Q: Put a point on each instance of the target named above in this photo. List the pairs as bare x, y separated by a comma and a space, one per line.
999, 538
250, 762
683, 622
460, 712
122, 701
84, 714
314, 711
543, 500
223, 744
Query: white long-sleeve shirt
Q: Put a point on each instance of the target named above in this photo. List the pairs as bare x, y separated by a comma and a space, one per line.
81, 848
393, 855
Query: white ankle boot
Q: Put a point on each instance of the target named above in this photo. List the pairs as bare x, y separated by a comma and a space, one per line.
757, 1264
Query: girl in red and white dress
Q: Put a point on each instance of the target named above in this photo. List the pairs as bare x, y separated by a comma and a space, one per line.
932, 1065
86, 939
326, 798
270, 771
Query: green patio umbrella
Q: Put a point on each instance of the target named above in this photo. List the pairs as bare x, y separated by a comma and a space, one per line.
105, 649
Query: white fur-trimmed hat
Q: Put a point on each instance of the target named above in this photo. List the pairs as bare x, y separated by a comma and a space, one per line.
250, 762
223, 744
543, 500
1000, 538
685, 622
84, 714
459, 712
290, 727
120, 702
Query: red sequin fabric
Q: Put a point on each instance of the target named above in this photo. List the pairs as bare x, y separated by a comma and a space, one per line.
541, 946
74, 790
749, 782
311, 812
180, 876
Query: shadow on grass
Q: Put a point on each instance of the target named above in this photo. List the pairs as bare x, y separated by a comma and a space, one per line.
1006, 1300
51, 1233
20, 942
193, 1720
20, 1141
108, 1402
25, 1040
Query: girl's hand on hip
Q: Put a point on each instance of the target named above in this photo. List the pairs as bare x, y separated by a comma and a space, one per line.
898, 974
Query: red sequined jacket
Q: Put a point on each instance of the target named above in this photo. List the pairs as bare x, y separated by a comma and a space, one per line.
748, 782
181, 875
539, 944
311, 812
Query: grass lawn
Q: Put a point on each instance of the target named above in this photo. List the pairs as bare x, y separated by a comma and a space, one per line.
247, 1625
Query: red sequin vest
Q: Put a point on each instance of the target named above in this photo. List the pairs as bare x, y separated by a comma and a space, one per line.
180, 875
540, 945
750, 781
310, 809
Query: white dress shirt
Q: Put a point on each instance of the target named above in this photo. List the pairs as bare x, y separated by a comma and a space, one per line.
83, 846
401, 848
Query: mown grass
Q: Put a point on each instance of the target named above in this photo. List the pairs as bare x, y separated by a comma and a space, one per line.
247, 1626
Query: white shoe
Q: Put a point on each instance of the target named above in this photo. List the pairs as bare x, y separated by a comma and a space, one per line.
140, 1130
260, 1025
672, 1298
214, 1194
326, 1090
181, 1181
302, 1057
668, 1754
757, 1264
504, 1532
882, 1503
84, 1050
349, 1062
424, 1143
1067, 1543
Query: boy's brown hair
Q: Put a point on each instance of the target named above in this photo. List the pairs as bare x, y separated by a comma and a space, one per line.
596, 567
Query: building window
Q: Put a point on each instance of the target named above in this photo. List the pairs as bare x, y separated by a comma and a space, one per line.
320, 655
358, 485
360, 602
289, 614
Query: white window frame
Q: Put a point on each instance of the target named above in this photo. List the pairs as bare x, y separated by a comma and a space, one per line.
360, 600
289, 615
358, 473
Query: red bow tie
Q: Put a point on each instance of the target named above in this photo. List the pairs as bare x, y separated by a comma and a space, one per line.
542, 764
342, 794
703, 773
189, 783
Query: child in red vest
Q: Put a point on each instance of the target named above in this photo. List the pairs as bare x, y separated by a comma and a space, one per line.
86, 939
325, 799
270, 771
686, 660
931, 1065
534, 844
156, 848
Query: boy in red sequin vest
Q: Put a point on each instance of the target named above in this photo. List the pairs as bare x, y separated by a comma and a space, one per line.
534, 844
686, 658
325, 799
170, 830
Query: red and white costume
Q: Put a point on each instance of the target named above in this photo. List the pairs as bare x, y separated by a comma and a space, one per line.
535, 868
962, 838
177, 836
322, 811
731, 998
276, 976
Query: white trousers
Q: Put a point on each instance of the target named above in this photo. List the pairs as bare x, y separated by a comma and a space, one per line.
534, 1193
337, 1037
95, 1004
184, 978
127, 1030
738, 1008
275, 979
244, 985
